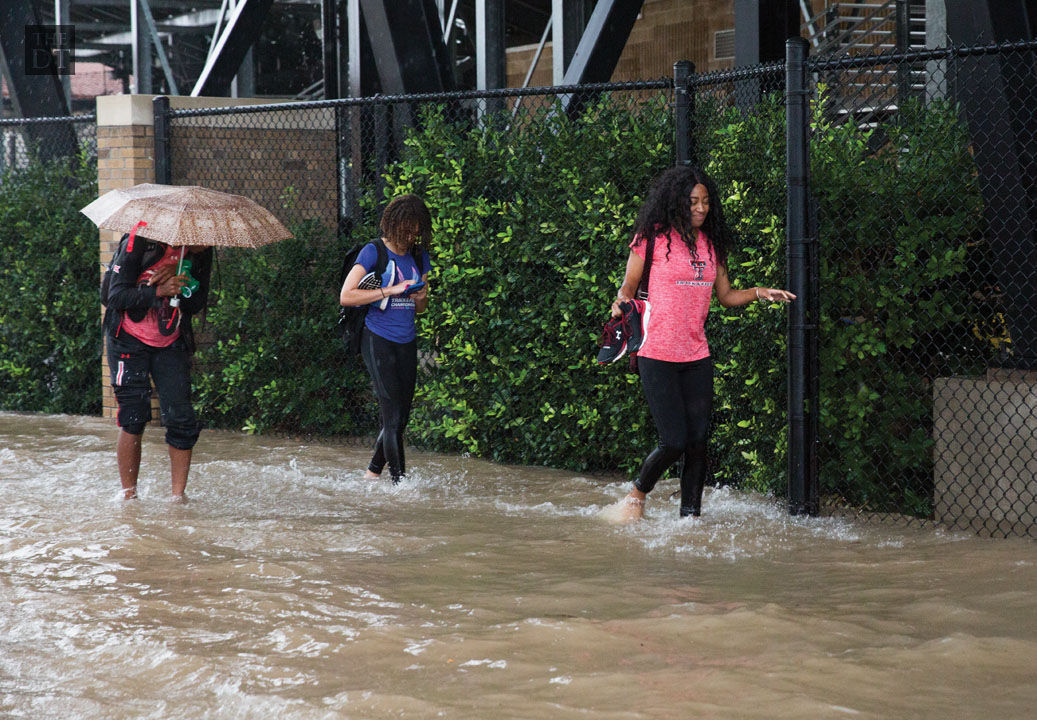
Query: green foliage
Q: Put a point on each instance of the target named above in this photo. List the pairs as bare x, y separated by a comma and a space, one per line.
273, 363
531, 218
50, 334
900, 207
531, 223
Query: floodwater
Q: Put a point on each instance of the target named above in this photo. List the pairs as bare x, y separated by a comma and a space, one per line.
289, 587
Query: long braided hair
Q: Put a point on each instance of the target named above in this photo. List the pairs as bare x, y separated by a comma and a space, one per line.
668, 207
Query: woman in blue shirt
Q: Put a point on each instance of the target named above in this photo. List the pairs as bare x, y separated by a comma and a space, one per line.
388, 346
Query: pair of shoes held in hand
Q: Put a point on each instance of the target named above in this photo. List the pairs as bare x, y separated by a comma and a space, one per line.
626, 333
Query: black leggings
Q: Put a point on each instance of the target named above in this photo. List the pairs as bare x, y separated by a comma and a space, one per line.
134, 365
680, 398
394, 369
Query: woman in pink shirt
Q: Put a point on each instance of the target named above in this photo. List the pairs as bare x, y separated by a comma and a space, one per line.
690, 243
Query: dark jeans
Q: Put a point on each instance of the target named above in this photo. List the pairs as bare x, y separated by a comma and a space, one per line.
133, 366
394, 370
680, 398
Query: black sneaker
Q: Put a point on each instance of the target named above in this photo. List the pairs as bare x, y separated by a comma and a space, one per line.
636, 314
613, 341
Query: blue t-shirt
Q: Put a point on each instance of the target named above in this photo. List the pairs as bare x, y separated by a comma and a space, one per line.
396, 322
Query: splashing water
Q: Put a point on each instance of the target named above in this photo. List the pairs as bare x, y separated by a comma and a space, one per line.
291, 587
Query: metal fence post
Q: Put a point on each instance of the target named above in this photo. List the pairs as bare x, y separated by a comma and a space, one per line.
683, 107
903, 40
163, 168
798, 213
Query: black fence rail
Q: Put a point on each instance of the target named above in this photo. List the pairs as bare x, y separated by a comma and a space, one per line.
893, 193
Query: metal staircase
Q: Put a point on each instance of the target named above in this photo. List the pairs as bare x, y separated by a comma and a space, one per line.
865, 29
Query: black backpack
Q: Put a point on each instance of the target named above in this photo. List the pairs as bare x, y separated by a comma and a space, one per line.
106, 280
350, 325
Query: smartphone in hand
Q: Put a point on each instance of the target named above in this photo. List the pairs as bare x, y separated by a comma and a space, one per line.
413, 288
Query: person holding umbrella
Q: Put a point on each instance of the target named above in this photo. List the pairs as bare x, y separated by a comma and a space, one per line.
149, 338
150, 299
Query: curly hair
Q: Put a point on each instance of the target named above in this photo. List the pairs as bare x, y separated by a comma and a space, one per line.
668, 207
407, 220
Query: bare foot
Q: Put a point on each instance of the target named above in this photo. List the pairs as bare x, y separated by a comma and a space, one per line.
368, 475
129, 493
631, 508
627, 510
178, 499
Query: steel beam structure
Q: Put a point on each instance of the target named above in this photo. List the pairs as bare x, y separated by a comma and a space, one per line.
32, 94
407, 42
237, 38
61, 18
602, 42
998, 95
762, 28
568, 20
141, 51
490, 65
331, 47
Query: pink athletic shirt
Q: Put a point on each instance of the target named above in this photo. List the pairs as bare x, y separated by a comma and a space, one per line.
679, 289
147, 329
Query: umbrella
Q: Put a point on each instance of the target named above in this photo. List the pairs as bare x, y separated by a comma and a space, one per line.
186, 215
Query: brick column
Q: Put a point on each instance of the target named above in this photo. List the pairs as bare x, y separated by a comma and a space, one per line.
125, 157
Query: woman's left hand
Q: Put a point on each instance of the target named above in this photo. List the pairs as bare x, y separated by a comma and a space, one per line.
420, 295
774, 295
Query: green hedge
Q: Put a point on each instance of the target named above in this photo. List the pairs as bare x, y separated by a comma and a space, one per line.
530, 231
531, 223
269, 360
50, 325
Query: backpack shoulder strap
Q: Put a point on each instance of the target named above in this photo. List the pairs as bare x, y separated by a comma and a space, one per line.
382, 261
642, 287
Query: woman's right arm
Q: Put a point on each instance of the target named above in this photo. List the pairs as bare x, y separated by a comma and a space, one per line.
124, 293
352, 296
631, 280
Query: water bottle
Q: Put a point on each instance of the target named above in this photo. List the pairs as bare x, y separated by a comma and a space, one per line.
188, 289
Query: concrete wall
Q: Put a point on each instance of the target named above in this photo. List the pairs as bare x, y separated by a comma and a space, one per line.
985, 454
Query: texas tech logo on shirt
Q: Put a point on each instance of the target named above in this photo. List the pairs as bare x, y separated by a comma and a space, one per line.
698, 266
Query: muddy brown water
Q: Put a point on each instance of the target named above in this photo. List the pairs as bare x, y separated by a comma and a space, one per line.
290, 587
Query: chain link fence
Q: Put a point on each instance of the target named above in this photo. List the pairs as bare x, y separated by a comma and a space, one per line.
911, 368
517, 180
916, 374
923, 188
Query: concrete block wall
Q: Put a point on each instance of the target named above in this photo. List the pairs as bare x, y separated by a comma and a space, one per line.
985, 453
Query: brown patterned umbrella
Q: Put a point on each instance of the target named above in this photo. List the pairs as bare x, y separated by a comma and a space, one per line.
186, 215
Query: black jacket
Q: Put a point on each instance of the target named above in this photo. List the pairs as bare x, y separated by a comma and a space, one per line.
126, 296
